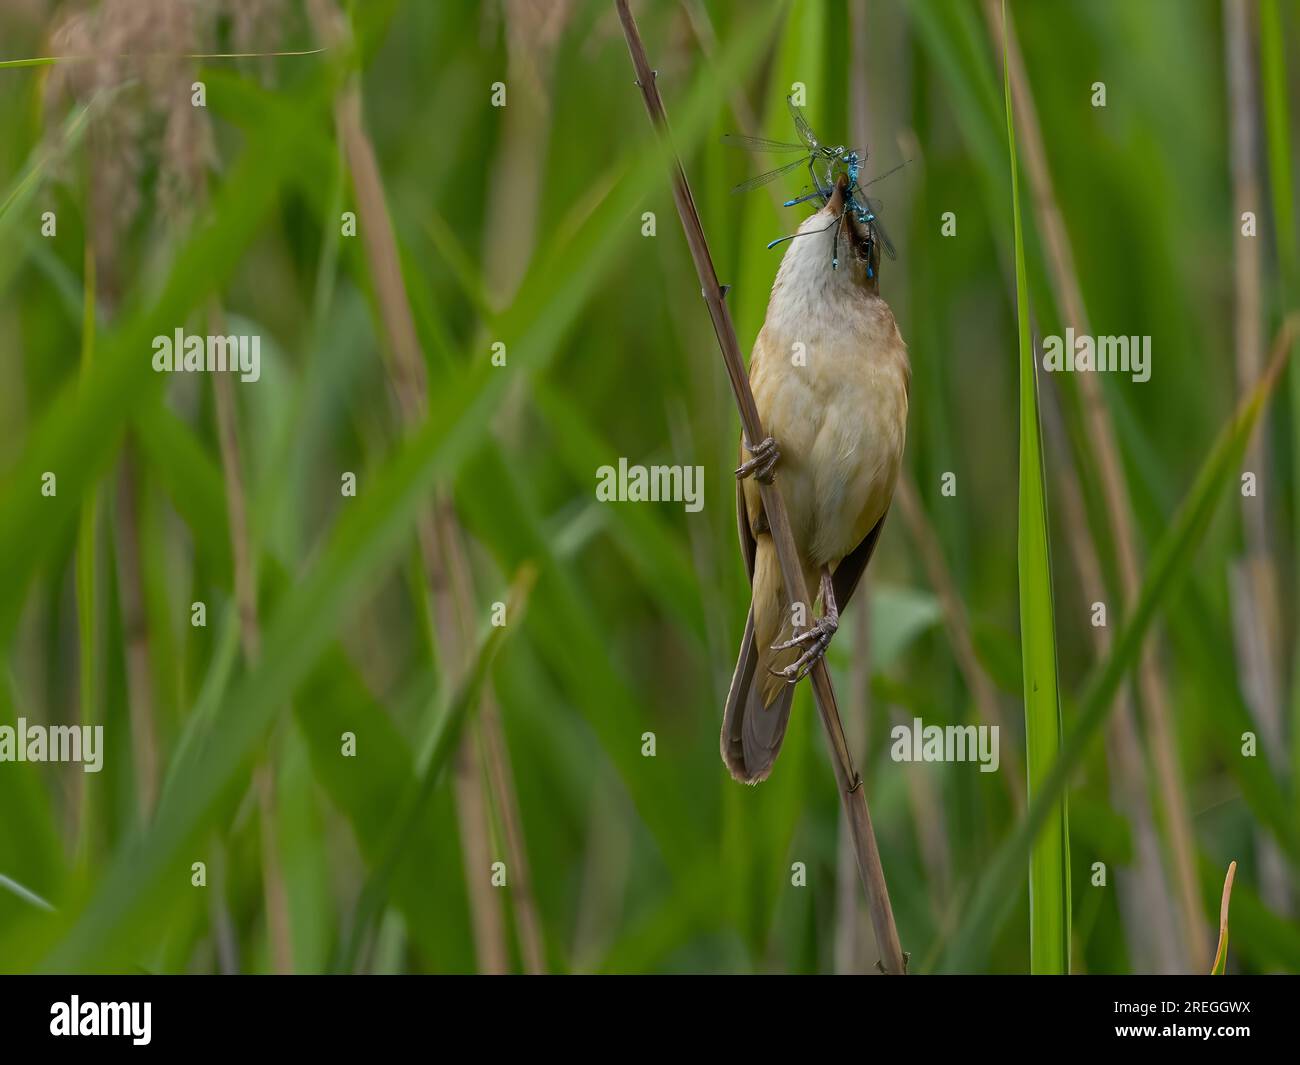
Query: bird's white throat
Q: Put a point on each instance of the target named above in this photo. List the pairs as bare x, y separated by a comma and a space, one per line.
810, 292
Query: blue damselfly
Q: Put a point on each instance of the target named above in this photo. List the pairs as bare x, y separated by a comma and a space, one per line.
824, 162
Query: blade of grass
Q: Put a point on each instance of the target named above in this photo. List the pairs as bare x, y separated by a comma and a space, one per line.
441, 746
1277, 125
191, 479
333, 700
1049, 861
89, 676
439, 531
25, 185
304, 857
25, 894
1269, 941
368, 536
1220, 966
50, 60
1170, 561
30, 846
572, 642
1102, 452
244, 554
648, 545
75, 439
426, 887
575, 646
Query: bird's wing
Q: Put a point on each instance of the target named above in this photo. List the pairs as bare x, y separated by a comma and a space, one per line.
849, 572
748, 545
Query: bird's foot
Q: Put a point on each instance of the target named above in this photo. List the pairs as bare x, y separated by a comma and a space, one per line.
817, 637
762, 463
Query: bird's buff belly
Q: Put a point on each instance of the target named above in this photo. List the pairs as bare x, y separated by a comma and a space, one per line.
841, 437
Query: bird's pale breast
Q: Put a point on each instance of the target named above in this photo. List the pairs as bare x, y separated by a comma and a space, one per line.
837, 405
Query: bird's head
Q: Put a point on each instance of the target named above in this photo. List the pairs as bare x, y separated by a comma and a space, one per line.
829, 254
861, 251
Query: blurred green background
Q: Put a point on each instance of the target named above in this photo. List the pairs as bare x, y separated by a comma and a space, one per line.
524, 226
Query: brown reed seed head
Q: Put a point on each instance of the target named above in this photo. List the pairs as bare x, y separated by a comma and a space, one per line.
131, 57
254, 24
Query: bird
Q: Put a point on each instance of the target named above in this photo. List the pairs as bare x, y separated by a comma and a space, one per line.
831, 378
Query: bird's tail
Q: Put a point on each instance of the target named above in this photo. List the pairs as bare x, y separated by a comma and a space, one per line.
758, 704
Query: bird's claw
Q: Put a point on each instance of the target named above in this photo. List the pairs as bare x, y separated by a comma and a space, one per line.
818, 638
824, 627
762, 463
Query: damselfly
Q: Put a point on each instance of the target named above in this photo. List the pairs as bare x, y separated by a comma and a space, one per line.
824, 162
820, 159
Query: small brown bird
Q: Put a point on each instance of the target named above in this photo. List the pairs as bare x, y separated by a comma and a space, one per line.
830, 376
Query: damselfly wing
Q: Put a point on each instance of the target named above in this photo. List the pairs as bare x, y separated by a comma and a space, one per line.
762, 144
802, 126
870, 215
771, 175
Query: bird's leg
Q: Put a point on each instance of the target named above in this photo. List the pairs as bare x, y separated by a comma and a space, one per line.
763, 462
817, 637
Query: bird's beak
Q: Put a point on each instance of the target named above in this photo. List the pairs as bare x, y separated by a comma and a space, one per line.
836, 202
853, 230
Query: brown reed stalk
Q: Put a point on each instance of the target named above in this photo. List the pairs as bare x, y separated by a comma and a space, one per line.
853, 936
407, 375
533, 33
110, 44
1256, 613
135, 634
250, 632
852, 791
928, 815
1220, 963
495, 757
186, 152
442, 556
